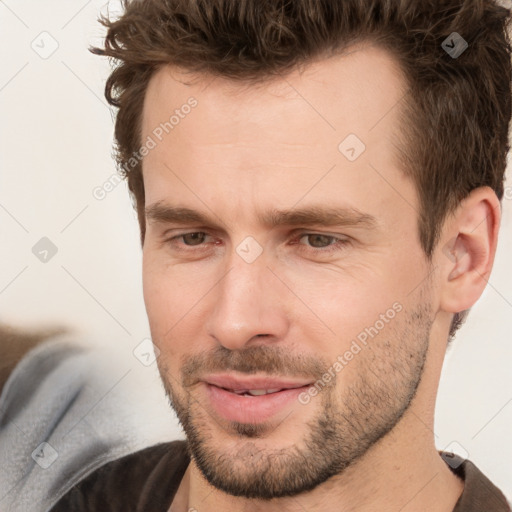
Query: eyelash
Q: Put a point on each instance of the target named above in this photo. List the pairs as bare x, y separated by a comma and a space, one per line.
339, 243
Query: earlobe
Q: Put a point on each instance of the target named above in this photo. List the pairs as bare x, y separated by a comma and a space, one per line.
468, 256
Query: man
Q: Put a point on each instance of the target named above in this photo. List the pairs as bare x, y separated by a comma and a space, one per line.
318, 187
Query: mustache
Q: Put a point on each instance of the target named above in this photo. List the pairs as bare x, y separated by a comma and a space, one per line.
270, 360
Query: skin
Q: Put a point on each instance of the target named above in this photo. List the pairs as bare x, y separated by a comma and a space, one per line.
243, 151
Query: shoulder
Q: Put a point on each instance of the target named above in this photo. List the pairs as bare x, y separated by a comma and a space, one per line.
479, 492
145, 480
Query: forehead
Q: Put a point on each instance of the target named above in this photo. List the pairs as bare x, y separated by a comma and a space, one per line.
336, 94
296, 126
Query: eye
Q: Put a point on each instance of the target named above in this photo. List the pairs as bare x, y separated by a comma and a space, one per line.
321, 243
193, 239
313, 243
318, 241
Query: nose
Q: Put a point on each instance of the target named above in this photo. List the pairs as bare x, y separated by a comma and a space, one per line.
248, 307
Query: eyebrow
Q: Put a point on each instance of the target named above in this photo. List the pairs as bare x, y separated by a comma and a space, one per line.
163, 213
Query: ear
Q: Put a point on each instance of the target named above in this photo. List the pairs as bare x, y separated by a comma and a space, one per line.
467, 249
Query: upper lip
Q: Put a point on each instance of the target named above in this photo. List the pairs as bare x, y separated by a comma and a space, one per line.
248, 383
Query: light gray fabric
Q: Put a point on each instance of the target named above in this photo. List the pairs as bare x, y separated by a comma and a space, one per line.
60, 395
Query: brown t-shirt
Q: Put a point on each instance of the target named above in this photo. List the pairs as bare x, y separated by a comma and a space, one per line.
147, 481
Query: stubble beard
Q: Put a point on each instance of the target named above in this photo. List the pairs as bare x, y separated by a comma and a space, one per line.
348, 423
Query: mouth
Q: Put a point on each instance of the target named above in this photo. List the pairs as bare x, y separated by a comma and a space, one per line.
255, 392
251, 400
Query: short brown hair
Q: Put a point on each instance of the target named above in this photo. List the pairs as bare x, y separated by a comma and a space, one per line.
457, 110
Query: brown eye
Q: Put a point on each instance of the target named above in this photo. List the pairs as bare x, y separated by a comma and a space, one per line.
321, 244
319, 241
193, 238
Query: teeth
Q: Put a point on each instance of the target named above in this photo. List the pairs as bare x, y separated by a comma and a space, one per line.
260, 392
257, 392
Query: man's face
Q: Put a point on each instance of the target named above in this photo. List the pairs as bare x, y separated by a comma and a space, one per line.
251, 297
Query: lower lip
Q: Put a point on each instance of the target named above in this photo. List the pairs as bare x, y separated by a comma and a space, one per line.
250, 409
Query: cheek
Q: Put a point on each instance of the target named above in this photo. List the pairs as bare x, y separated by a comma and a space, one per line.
161, 288
174, 306
167, 332
337, 292
155, 291
160, 298
362, 306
